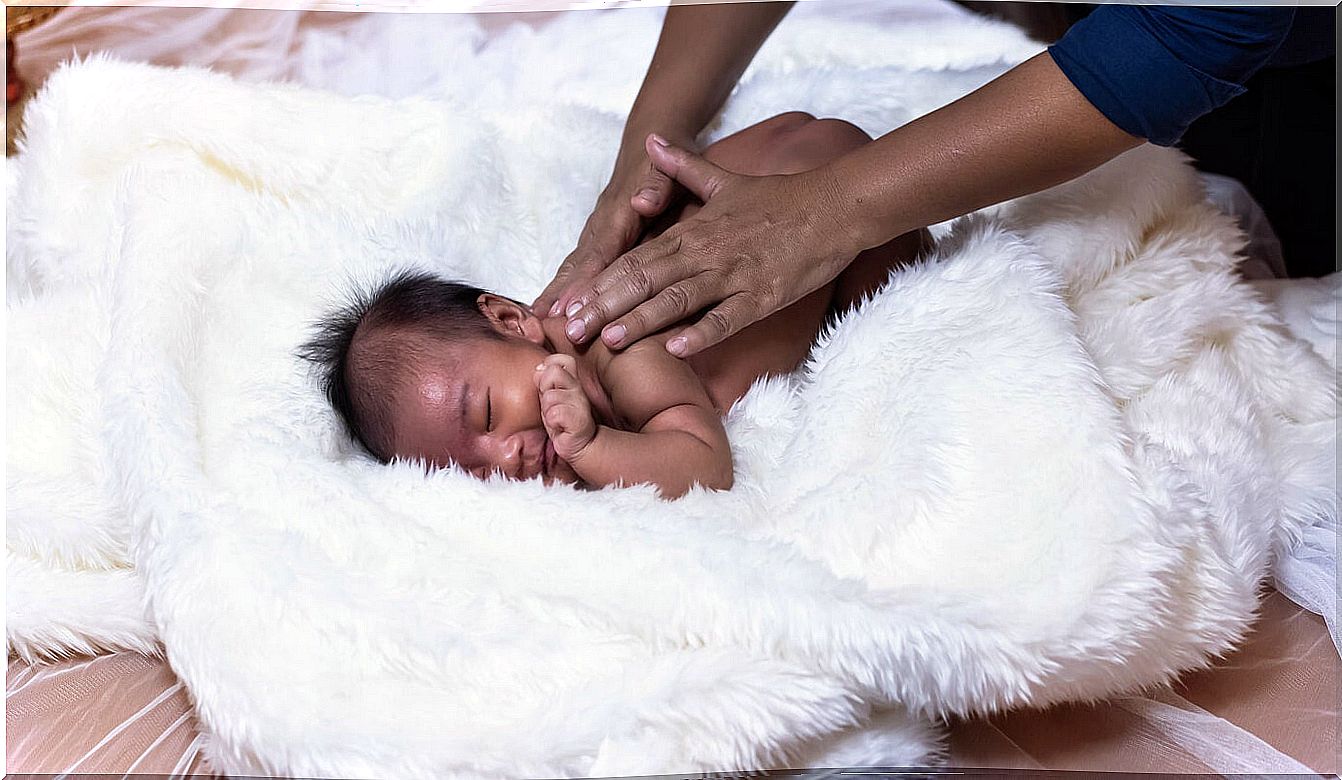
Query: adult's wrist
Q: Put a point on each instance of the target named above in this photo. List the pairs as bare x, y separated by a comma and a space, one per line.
842, 213
671, 123
632, 159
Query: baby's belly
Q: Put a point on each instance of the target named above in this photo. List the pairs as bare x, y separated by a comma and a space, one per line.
774, 345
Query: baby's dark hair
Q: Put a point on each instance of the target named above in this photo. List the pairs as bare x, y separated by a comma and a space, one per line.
366, 349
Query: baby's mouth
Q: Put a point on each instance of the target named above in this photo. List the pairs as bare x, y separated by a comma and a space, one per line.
548, 457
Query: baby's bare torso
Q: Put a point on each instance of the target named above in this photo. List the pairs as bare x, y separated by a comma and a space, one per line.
775, 345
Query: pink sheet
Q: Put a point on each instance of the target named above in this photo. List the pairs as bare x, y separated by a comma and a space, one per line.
113, 713
1270, 707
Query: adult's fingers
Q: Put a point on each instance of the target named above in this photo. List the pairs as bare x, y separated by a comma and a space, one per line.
698, 175
579, 266
629, 281
653, 193
548, 300
605, 237
675, 303
726, 319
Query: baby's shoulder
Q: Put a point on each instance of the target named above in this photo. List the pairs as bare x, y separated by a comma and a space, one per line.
644, 379
644, 357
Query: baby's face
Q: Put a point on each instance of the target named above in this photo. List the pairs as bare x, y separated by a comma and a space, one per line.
475, 404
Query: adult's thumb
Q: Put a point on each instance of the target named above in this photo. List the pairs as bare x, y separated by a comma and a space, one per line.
653, 194
696, 174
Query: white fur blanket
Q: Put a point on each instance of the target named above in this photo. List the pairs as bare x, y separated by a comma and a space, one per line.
1049, 464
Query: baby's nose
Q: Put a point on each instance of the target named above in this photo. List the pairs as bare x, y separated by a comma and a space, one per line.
512, 456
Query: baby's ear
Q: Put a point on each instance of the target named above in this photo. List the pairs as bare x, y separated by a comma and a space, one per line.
510, 317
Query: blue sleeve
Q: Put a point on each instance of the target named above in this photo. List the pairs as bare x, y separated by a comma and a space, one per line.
1152, 70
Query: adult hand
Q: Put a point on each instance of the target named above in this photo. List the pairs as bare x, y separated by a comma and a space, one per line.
636, 194
758, 244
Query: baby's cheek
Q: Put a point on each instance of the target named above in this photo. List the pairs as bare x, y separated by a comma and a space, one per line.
463, 454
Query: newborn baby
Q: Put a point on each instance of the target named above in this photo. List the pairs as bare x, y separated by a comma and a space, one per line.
426, 368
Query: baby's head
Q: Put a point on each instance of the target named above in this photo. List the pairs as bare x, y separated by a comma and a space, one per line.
432, 369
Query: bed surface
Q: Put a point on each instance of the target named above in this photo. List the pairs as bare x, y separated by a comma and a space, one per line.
1272, 706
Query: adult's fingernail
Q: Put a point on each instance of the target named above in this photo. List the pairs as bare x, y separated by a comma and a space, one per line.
650, 195
554, 310
572, 309
657, 139
576, 329
677, 345
614, 335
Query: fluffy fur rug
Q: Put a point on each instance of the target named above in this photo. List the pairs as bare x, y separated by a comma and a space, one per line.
1050, 463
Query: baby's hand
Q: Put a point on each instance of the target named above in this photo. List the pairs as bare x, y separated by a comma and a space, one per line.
565, 410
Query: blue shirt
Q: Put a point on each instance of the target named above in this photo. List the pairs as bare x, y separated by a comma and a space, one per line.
1152, 70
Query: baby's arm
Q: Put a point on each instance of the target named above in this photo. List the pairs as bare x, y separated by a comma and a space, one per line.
679, 441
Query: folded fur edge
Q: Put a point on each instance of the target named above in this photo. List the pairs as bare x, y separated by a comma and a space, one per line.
97, 611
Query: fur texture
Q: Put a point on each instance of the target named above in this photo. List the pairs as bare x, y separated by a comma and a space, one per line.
1048, 463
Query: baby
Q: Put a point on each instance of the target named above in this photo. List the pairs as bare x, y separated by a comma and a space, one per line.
431, 369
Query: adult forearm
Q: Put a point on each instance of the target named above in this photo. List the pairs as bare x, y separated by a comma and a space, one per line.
1026, 131
702, 52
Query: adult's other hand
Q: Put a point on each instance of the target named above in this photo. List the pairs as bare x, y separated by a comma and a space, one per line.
702, 51
758, 244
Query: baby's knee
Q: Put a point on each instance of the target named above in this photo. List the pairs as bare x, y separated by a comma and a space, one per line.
787, 121
787, 143
802, 127
814, 142
836, 135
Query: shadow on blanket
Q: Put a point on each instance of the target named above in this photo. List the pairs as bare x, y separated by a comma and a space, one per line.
1049, 464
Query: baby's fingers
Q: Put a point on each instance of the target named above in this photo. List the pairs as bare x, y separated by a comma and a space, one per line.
557, 372
564, 417
553, 418
555, 412
562, 397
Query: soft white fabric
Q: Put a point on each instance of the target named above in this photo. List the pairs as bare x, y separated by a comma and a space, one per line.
1306, 567
1262, 248
1049, 467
